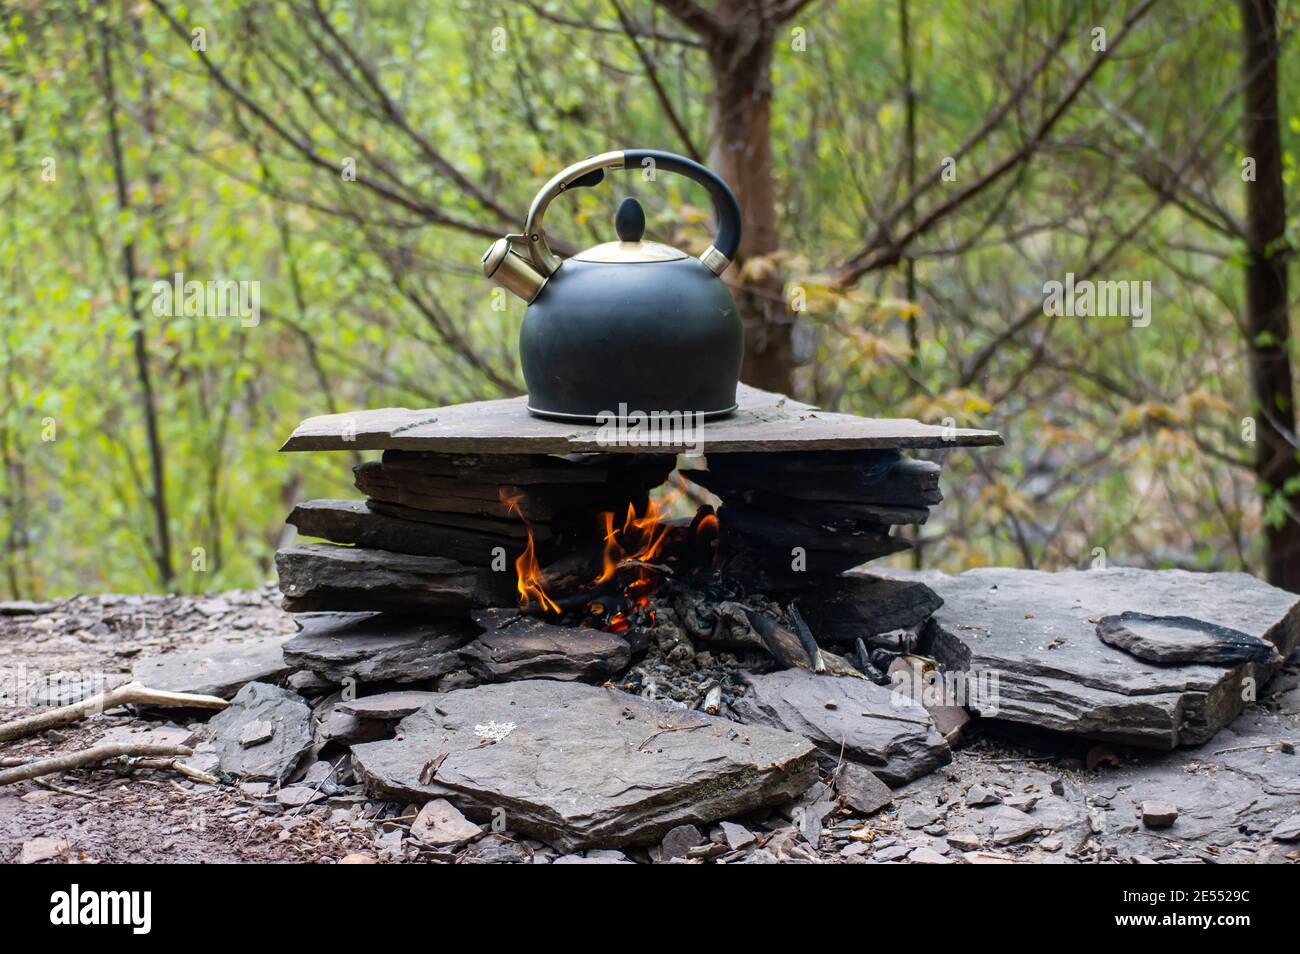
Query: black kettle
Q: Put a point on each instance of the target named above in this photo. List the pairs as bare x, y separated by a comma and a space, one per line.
626, 328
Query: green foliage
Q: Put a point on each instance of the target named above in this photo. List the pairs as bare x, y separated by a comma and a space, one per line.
1122, 438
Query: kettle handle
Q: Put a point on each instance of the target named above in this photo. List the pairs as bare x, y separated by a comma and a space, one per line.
591, 171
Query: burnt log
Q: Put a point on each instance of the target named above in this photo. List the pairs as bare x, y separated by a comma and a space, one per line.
317, 577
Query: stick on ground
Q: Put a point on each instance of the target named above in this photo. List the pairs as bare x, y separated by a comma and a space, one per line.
91, 756
131, 694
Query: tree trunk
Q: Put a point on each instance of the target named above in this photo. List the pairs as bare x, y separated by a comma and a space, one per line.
741, 59
1268, 327
140, 343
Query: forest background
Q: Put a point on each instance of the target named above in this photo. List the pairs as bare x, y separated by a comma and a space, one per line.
912, 175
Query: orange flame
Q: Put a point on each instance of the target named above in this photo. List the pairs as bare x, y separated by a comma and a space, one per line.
640, 538
528, 576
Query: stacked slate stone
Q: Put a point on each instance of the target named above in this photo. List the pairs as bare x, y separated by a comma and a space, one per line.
795, 521
435, 540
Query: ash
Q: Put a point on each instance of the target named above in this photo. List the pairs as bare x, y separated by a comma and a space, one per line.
693, 648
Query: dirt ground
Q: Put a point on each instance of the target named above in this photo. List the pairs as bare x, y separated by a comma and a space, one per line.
1232, 793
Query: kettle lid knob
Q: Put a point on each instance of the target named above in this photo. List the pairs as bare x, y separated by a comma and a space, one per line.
629, 220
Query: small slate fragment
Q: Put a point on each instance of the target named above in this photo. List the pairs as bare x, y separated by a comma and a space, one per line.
1182, 639
439, 823
738, 836
1009, 825
925, 855
274, 759
861, 789
1287, 830
978, 795
679, 841
37, 850
1158, 814
255, 733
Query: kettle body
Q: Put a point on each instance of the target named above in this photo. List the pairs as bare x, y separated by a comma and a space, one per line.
627, 328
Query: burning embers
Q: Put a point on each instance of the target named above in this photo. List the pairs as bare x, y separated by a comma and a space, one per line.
611, 583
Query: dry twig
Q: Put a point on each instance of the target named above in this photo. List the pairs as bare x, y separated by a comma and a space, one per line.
131, 694
94, 755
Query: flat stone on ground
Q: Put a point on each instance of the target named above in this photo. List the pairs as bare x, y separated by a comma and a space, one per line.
1156, 814
439, 823
388, 705
861, 789
580, 766
1007, 826
1028, 639
1287, 830
220, 669
1182, 639
377, 647
868, 724
289, 718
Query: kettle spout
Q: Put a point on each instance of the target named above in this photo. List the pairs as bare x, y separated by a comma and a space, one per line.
503, 265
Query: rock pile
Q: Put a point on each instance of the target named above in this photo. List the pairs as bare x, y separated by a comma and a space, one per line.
1030, 642
795, 520
470, 507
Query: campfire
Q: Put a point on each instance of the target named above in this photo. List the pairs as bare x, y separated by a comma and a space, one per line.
612, 585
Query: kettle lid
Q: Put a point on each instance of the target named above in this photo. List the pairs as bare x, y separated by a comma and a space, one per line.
629, 222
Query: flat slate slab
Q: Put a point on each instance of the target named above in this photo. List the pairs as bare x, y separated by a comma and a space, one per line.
857, 605
1182, 639
866, 723
323, 577
219, 669
764, 421
1031, 638
377, 647
581, 766
525, 647
388, 705
264, 734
